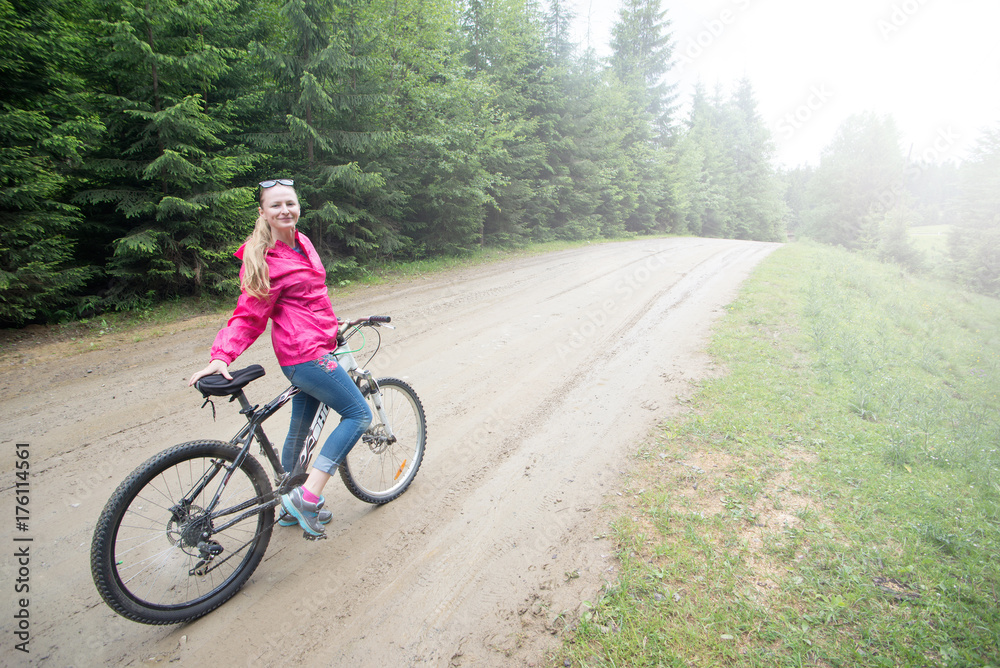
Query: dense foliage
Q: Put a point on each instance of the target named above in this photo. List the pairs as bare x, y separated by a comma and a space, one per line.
133, 132
975, 239
866, 194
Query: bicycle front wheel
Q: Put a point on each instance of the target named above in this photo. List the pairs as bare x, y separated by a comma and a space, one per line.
159, 556
380, 467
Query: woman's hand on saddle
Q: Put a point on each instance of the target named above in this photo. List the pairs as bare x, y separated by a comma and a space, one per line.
215, 366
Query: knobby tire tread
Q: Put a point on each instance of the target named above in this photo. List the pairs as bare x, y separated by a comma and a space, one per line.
345, 473
103, 546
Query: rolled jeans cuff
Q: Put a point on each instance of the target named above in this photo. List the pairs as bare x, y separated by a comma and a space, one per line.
325, 464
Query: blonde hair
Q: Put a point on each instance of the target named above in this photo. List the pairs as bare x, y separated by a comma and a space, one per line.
256, 280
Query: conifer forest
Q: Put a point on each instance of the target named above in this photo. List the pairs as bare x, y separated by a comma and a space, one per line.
133, 134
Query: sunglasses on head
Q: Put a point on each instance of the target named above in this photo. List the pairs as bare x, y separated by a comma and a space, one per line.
275, 182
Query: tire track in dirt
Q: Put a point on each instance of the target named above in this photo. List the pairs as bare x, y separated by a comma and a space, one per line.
538, 374
496, 537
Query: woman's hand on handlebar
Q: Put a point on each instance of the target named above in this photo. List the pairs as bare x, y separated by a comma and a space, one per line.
215, 366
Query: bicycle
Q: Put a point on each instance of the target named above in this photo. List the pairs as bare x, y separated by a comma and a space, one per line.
186, 529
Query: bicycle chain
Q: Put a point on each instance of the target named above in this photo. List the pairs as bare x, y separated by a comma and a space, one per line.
233, 553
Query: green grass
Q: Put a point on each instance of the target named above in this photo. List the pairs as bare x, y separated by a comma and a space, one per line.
932, 241
833, 500
113, 328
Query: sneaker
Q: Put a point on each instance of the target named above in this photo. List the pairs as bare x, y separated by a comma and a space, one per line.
306, 513
287, 520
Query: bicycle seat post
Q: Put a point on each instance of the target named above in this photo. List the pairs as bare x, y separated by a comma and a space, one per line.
247, 409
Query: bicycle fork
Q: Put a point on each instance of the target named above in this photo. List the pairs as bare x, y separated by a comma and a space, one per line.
369, 388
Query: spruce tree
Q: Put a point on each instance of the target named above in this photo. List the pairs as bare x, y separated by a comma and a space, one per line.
710, 168
759, 211
974, 242
323, 95
46, 130
164, 188
641, 59
860, 172
542, 186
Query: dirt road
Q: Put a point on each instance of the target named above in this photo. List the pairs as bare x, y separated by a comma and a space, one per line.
539, 376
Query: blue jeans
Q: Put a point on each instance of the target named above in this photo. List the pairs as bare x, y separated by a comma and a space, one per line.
323, 380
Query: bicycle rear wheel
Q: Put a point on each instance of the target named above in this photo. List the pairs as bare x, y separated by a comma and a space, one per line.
158, 557
378, 470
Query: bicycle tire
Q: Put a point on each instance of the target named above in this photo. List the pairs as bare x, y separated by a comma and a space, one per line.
142, 555
376, 471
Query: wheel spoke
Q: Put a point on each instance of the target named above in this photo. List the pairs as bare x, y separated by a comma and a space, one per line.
147, 541
376, 470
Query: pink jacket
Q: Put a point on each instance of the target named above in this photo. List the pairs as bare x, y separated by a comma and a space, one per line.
303, 327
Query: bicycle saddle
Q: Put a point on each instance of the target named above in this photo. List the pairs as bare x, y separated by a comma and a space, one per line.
216, 385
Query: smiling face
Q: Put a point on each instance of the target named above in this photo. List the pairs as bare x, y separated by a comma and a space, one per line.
280, 207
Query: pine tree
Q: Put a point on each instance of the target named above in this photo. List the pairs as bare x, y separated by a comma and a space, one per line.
758, 207
46, 130
164, 186
860, 173
324, 97
641, 59
974, 243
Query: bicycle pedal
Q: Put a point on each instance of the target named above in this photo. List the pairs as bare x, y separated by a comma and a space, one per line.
309, 536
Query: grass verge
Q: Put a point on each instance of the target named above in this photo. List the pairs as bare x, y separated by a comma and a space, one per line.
834, 500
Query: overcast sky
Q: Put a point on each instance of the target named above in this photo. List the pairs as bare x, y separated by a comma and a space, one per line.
933, 64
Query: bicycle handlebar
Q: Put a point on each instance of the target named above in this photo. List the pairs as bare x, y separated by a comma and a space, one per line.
370, 320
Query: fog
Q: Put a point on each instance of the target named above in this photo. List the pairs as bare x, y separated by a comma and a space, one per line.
933, 65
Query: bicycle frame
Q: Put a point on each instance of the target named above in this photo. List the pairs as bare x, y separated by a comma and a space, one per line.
220, 504
285, 480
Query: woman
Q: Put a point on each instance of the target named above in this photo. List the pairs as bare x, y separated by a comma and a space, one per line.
283, 279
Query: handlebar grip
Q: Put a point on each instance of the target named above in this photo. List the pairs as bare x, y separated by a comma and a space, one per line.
380, 318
